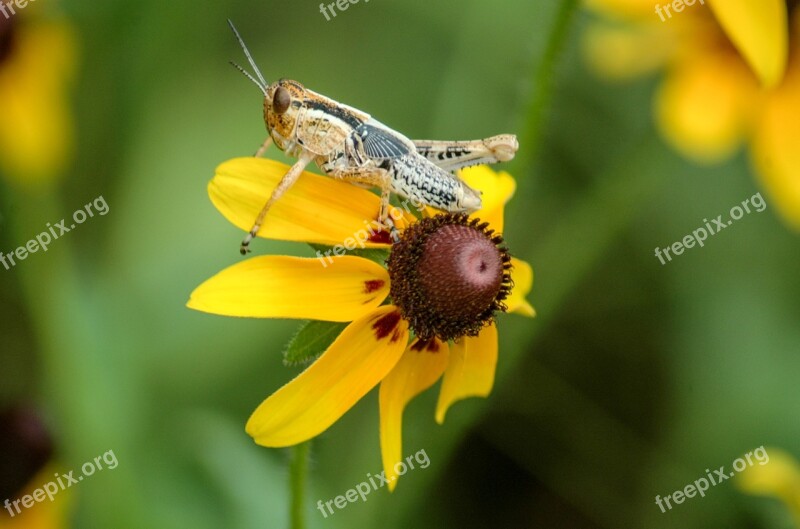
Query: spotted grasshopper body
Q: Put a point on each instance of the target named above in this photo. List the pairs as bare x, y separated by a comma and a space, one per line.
350, 145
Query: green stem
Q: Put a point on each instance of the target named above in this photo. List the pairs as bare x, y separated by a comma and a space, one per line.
298, 474
543, 82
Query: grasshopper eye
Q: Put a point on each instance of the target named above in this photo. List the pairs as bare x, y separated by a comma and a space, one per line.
281, 100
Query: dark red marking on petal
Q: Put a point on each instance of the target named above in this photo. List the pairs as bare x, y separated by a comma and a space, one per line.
384, 326
431, 346
396, 336
381, 237
372, 285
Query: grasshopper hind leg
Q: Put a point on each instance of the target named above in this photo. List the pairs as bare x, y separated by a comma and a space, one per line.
454, 155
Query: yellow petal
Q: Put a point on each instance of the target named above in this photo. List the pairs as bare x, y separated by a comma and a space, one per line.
470, 372
361, 356
776, 154
278, 286
36, 135
497, 189
522, 275
778, 476
627, 9
704, 105
418, 369
625, 52
759, 30
315, 209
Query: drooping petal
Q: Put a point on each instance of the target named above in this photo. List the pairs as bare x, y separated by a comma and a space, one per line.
470, 372
522, 275
361, 356
315, 209
777, 474
775, 143
497, 186
759, 30
704, 106
278, 286
418, 369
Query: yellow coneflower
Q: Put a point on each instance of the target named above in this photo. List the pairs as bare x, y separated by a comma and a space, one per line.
447, 277
26, 464
732, 75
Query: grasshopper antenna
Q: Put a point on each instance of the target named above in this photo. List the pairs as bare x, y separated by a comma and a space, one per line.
247, 74
263, 84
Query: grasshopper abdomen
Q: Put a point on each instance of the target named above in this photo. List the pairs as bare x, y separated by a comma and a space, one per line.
413, 177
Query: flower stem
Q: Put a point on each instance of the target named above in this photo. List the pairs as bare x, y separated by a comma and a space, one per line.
298, 473
543, 81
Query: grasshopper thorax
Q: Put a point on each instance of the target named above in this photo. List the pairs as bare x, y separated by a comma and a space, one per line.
282, 104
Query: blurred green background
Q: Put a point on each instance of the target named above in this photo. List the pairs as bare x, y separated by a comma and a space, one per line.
633, 379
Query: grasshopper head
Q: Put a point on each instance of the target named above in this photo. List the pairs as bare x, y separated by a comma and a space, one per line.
282, 103
282, 100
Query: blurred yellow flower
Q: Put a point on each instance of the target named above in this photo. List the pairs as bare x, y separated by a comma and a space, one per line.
374, 348
779, 478
37, 61
732, 75
26, 467
42, 515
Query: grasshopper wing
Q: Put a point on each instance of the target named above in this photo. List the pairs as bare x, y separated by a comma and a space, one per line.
382, 143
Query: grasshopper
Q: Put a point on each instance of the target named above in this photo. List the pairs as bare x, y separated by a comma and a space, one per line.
350, 145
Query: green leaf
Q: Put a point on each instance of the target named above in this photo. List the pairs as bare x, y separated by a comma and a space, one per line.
310, 341
373, 254
377, 255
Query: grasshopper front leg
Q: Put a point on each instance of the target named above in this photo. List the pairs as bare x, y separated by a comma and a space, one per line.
264, 146
454, 155
285, 183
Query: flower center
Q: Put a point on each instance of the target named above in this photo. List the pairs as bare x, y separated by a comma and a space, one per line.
461, 270
449, 276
